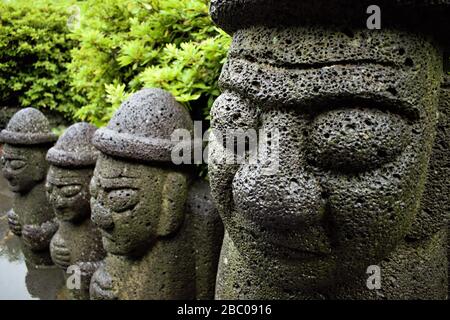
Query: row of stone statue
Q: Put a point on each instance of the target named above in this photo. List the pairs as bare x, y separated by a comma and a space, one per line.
153, 232
362, 180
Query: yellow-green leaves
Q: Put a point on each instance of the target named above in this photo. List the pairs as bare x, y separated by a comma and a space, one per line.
34, 52
116, 48
128, 45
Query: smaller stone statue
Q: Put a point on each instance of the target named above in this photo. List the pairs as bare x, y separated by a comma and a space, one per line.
26, 139
162, 241
77, 241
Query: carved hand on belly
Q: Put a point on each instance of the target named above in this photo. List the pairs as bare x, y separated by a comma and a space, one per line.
101, 286
59, 252
14, 223
38, 237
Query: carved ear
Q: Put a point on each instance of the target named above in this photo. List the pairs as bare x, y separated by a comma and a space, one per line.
174, 195
432, 215
41, 167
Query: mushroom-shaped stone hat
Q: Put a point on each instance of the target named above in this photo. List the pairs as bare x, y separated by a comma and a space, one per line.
28, 127
74, 148
232, 15
142, 127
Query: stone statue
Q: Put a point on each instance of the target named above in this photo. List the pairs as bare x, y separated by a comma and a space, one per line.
77, 241
145, 209
344, 215
26, 139
438, 184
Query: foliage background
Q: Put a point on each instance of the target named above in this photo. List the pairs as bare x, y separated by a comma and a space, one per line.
127, 45
84, 58
34, 53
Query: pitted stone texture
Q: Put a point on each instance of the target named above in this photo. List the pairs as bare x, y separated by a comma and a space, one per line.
161, 247
74, 147
208, 236
424, 15
28, 138
28, 127
385, 135
159, 228
357, 115
148, 241
142, 127
434, 213
298, 66
77, 242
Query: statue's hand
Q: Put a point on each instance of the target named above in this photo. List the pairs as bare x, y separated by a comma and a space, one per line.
59, 252
14, 223
88, 268
38, 237
101, 286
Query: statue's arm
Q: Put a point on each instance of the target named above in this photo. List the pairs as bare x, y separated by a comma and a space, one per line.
101, 287
59, 252
14, 223
38, 237
208, 237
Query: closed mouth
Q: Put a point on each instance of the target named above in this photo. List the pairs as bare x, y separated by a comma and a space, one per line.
12, 183
63, 213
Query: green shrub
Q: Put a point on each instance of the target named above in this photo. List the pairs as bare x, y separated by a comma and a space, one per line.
126, 45
35, 48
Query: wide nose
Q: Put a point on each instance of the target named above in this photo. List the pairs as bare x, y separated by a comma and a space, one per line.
7, 174
101, 216
288, 199
6, 170
55, 199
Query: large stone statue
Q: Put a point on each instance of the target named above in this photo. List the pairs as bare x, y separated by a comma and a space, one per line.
143, 204
77, 242
356, 113
26, 139
438, 188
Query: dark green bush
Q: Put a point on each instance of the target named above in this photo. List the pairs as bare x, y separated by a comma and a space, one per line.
119, 46
129, 44
35, 48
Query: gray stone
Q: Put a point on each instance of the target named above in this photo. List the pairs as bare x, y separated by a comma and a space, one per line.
207, 237
77, 241
55, 118
357, 114
144, 206
141, 129
26, 139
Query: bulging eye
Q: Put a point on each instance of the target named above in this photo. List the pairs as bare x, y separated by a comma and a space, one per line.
17, 164
71, 190
356, 139
120, 200
234, 120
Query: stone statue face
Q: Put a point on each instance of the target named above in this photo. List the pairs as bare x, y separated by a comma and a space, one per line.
68, 192
23, 166
356, 127
126, 202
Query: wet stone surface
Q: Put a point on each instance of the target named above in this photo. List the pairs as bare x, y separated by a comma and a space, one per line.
355, 113
19, 279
